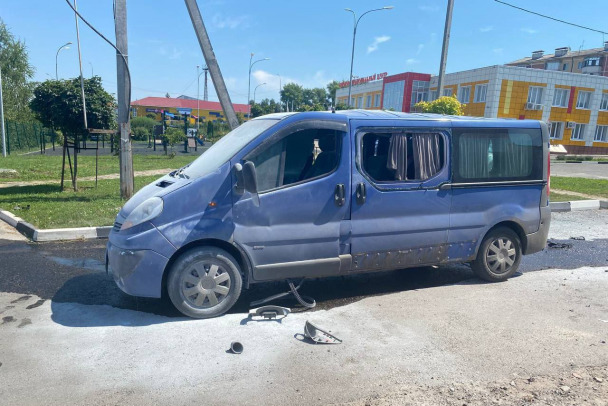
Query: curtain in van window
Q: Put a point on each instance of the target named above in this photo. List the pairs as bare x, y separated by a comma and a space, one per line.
474, 156
397, 156
427, 159
512, 155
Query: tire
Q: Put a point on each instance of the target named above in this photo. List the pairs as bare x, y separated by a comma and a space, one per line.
204, 282
499, 255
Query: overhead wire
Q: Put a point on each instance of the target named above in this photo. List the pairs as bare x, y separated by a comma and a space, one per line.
124, 58
551, 18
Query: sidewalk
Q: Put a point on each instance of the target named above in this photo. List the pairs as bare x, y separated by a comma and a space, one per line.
150, 172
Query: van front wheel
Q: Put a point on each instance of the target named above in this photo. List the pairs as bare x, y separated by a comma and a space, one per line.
204, 282
499, 255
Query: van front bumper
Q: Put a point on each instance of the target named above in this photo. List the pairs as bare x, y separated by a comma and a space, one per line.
537, 241
136, 272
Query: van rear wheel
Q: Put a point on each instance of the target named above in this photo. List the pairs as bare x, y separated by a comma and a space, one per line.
204, 282
499, 255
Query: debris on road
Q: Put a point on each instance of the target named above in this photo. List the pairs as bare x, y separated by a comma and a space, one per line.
319, 335
553, 244
581, 238
236, 347
269, 312
305, 301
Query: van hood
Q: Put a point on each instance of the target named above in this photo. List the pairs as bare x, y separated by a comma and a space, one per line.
159, 188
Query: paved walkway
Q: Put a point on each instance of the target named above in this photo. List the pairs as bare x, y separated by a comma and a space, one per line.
591, 170
150, 172
586, 196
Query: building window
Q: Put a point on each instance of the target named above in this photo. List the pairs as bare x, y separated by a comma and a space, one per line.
592, 62
578, 132
601, 133
465, 94
434, 94
480, 93
582, 102
552, 66
377, 100
557, 130
535, 95
565, 66
560, 97
368, 101
360, 102
420, 91
580, 65
393, 95
604, 102
352, 102
447, 92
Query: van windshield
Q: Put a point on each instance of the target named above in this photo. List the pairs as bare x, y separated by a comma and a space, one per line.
226, 147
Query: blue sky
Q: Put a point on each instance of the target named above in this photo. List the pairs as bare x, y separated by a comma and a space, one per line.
308, 42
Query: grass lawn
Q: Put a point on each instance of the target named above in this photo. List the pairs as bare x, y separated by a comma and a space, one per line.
50, 208
42, 167
594, 187
560, 197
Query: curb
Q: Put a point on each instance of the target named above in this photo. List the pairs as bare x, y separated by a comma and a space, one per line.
578, 205
53, 234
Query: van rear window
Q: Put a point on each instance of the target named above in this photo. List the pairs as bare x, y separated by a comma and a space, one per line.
494, 155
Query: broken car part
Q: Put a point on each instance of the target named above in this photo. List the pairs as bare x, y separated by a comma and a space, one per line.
236, 347
319, 335
269, 312
553, 244
293, 290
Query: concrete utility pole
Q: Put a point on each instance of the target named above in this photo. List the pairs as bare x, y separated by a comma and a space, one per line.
214, 68
2, 117
206, 92
123, 93
444, 49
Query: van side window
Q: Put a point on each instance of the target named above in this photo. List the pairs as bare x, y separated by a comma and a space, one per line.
491, 155
395, 157
300, 156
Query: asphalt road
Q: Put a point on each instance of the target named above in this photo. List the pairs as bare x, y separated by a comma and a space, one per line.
63, 337
585, 169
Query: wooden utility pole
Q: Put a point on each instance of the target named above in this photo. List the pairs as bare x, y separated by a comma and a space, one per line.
123, 96
444, 49
214, 68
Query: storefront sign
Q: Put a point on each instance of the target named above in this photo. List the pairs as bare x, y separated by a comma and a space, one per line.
359, 81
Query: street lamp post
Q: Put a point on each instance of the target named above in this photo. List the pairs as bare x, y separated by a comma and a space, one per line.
249, 85
352, 55
198, 110
64, 46
256, 88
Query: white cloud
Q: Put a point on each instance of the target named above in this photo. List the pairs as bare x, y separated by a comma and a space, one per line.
497, 51
377, 41
219, 21
529, 30
318, 79
420, 48
487, 28
411, 61
431, 9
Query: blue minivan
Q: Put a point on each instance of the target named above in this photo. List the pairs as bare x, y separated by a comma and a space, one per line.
316, 194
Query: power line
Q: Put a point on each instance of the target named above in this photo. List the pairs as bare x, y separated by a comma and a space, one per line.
551, 18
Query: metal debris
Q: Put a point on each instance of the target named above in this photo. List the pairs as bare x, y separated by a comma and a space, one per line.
553, 244
581, 238
269, 312
236, 347
319, 335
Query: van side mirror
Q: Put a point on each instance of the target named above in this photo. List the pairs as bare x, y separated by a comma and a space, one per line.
246, 179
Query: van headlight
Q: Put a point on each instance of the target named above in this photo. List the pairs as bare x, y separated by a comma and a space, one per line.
146, 211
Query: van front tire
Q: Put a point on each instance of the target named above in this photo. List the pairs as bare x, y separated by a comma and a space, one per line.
499, 255
204, 282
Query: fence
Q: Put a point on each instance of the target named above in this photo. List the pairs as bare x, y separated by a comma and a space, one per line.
27, 136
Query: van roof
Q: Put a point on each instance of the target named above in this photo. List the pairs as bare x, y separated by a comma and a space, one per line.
392, 115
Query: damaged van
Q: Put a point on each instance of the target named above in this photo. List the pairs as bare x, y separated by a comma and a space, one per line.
310, 195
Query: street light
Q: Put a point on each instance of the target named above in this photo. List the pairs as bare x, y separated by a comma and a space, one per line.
64, 46
256, 88
352, 55
249, 85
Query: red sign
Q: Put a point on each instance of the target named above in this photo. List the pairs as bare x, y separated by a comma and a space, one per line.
359, 81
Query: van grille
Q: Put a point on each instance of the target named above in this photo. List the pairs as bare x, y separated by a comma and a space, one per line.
117, 226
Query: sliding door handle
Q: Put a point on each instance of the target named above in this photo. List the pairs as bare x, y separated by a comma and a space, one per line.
361, 193
340, 195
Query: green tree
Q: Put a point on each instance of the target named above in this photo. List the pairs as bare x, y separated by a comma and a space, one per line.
332, 88
16, 73
174, 136
57, 104
448, 105
292, 93
142, 127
